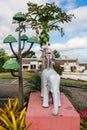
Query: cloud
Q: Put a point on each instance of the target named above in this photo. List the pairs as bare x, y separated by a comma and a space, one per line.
74, 48
79, 23
6, 47
77, 43
74, 43
76, 30
74, 54
68, 4
37, 51
14, 6
7, 10
65, 4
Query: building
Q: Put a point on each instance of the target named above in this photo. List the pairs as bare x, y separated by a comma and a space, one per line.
31, 64
35, 64
72, 65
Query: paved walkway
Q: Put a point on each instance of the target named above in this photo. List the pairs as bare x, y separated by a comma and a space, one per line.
9, 88
82, 77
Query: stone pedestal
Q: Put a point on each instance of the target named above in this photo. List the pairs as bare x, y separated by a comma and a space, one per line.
42, 119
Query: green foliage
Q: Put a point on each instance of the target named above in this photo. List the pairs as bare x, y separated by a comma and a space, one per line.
3, 59
12, 117
56, 54
2, 52
78, 107
13, 56
44, 37
85, 67
33, 85
58, 69
46, 17
71, 81
7, 75
81, 128
83, 119
30, 54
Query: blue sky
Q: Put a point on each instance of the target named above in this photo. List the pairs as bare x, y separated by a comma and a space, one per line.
72, 45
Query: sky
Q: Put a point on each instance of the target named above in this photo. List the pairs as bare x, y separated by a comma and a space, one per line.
72, 45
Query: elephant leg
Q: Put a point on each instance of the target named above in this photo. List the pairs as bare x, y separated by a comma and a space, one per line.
45, 97
42, 84
59, 101
56, 102
41, 90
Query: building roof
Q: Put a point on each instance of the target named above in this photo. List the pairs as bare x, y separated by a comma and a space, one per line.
57, 60
62, 61
83, 64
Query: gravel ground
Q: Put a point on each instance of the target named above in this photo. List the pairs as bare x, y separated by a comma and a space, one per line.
9, 88
79, 96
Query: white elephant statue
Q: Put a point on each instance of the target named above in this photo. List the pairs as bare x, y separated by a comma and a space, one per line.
50, 81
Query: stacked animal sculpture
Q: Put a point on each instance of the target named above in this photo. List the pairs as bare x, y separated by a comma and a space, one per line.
50, 82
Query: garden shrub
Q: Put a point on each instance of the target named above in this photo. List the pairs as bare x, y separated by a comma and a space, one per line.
32, 85
12, 117
3, 59
58, 69
83, 119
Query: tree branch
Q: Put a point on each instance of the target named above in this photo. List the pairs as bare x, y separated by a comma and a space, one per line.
13, 50
23, 46
24, 53
13, 74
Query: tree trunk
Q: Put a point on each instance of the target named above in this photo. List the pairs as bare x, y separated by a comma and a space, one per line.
20, 88
20, 72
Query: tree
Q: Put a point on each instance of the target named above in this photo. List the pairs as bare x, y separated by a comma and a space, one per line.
56, 54
19, 19
46, 17
13, 55
2, 52
30, 54
3, 59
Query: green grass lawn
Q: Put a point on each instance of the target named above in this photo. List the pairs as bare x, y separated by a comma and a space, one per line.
7, 75
73, 81
26, 75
